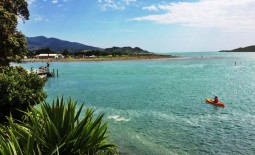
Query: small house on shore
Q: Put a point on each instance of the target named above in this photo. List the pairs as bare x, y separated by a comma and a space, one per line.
53, 56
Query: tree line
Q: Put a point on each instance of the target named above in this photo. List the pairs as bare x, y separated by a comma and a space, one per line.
114, 51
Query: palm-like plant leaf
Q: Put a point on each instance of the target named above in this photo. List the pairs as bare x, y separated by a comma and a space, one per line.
84, 136
56, 129
12, 140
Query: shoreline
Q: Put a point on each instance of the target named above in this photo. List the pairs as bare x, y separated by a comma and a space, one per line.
122, 58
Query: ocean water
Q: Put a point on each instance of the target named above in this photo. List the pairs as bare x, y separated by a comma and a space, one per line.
157, 107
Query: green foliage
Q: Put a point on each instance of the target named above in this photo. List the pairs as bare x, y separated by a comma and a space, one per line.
11, 144
12, 42
31, 54
114, 51
44, 51
18, 90
66, 52
125, 51
56, 129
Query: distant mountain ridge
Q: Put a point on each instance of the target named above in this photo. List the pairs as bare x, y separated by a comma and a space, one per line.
57, 45
242, 49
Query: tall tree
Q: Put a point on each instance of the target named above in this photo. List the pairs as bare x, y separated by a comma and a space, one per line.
18, 88
66, 53
13, 44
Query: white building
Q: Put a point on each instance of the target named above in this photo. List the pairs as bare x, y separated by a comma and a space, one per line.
54, 56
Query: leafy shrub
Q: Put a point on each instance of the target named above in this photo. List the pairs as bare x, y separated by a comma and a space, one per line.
18, 90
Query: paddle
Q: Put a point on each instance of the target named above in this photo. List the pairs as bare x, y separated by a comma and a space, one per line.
213, 94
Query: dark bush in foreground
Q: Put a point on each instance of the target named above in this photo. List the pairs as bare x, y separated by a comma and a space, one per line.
18, 90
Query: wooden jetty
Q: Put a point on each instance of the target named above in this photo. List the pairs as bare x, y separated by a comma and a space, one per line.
43, 72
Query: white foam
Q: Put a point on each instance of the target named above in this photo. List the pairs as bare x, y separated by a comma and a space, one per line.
194, 66
118, 118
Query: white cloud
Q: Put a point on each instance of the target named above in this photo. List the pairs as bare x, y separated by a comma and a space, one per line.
38, 18
127, 2
54, 1
30, 1
58, 2
234, 15
115, 4
151, 8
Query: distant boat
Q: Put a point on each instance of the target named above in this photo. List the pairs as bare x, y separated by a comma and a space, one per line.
208, 100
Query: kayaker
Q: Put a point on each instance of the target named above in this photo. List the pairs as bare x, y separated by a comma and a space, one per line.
216, 100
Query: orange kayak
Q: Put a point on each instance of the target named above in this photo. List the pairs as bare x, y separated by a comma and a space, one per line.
220, 104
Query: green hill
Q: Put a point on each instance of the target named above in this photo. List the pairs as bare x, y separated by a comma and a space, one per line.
126, 50
57, 45
242, 49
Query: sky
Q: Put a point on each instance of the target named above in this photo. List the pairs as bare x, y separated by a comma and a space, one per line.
160, 26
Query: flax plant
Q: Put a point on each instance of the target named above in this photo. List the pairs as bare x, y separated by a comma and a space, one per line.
57, 128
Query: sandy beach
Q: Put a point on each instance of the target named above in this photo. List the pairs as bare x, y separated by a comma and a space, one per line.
108, 58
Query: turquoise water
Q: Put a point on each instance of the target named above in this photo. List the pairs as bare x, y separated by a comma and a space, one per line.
157, 107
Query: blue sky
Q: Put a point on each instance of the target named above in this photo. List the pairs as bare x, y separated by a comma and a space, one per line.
154, 25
